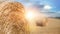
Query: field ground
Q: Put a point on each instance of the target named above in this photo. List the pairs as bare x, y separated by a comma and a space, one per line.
53, 27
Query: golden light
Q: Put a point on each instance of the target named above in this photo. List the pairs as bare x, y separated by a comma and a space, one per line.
29, 15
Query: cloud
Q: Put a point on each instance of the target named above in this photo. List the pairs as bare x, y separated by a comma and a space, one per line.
47, 7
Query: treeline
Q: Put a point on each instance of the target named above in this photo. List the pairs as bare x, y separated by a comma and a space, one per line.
54, 17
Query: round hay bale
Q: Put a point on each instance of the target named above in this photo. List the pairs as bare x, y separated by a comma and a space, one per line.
12, 20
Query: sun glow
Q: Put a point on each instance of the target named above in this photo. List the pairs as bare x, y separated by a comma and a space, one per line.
29, 15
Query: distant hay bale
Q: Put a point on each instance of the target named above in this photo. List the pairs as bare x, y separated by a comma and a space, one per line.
12, 19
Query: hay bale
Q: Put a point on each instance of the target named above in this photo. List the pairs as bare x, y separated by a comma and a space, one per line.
12, 19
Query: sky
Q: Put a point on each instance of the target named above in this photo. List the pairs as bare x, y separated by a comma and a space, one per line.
51, 8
